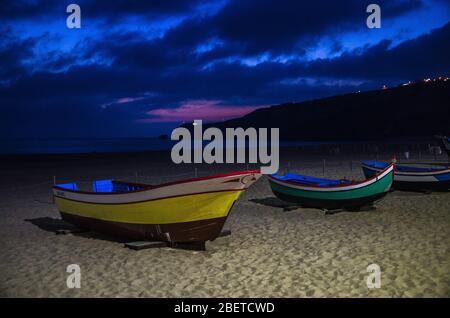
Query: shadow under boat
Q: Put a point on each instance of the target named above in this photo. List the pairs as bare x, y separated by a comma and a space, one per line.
59, 226
274, 202
287, 207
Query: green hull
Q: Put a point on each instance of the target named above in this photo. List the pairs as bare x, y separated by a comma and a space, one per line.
334, 198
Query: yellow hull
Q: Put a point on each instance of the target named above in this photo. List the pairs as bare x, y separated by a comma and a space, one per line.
188, 208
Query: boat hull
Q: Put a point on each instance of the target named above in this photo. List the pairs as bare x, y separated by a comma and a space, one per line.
348, 204
195, 231
191, 218
439, 181
441, 186
351, 197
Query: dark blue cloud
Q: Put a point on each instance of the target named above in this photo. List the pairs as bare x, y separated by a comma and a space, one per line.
422, 57
25, 9
102, 80
271, 26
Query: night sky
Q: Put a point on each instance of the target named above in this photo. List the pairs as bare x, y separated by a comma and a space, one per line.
140, 68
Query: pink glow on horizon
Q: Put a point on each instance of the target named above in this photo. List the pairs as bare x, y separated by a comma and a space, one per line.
207, 110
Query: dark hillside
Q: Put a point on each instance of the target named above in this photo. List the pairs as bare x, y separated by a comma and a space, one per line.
416, 110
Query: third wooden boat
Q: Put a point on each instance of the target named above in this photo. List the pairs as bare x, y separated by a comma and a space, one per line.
425, 177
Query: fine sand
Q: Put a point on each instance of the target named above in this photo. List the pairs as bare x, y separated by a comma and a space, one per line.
274, 250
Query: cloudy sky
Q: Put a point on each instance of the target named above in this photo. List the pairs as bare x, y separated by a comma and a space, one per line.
140, 68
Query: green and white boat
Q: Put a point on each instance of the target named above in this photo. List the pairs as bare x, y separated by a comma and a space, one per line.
331, 194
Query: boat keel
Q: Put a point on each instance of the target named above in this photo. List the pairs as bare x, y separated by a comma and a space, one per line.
349, 204
184, 232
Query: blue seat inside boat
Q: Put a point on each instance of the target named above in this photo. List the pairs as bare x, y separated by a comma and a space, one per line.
113, 186
102, 186
291, 177
68, 186
415, 169
375, 164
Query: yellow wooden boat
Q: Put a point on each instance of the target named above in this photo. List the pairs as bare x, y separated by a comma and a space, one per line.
192, 210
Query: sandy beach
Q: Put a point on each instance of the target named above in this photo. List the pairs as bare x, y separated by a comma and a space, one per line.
275, 250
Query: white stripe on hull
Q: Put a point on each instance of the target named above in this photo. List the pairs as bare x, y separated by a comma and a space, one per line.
331, 189
194, 187
415, 177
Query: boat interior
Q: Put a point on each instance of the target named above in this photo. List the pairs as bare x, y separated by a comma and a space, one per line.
301, 179
401, 168
104, 186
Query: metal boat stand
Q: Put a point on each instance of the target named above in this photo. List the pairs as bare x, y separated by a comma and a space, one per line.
71, 231
196, 246
333, 211
142, 245
365, 208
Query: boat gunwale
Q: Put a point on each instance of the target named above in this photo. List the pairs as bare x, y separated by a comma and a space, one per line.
412, 174
148, 187
148, 200
340, 187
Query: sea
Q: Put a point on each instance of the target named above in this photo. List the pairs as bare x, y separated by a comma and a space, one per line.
99, 145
